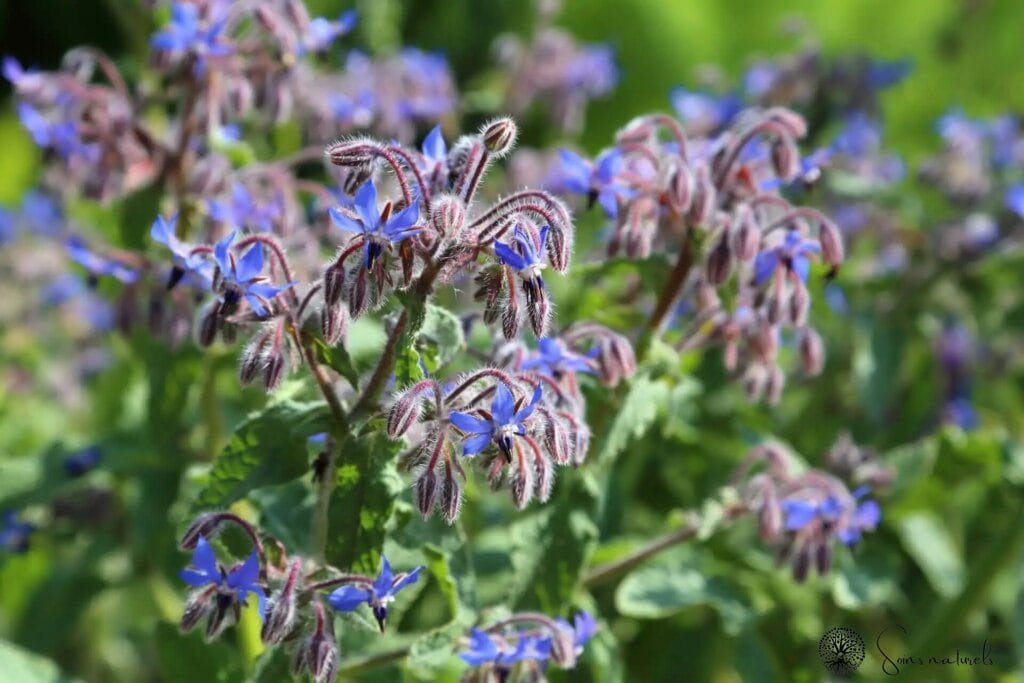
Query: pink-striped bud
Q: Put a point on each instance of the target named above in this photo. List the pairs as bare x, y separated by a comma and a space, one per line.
799, 304
426, 492
775, 384
197, 607
521, 487
718, 264
451, 497
448, 216
831, 243
405, 411
499, 135
543, 478
355, 153
334, 283
274, 370
334, 324
679, 192
794, 123
812, 352
785, 158
511, 320
704, 197
745, 237
358, 297
282, 608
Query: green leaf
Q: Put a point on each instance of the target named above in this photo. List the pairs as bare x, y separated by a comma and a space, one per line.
659, 591
338, 359
23, 666
553, 547
267, 448
287, 511
441, 339
639, 410
363, 499
432, 655
929, 543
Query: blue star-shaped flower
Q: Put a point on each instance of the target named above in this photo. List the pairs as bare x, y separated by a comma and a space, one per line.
242, 211
527, 259
14, 534
503, 424
794, 253
83, 461
98, 265
60, 136
597, 180
709, 112
377, 233
554, 359
483, 649
242, 278
322, 32
378, 595
194, 266
185, 35
238, 583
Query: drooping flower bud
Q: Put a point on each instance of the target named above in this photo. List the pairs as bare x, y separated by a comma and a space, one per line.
799, 304
206, 525
274, 370
812, 352
785, 158
499, 135
334, 283
718, 264
680, 189
426, 492
451, 497
704, 196
355, 153
448, 216
405, 411
209, 323
745, 237
831, 243
334, 324
281, 611
543, 478
197, 607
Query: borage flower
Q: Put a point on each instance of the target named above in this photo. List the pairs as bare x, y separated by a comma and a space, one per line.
221, 592
195, 266
501, 425
527, 259
185, 35
242, 278
14, 534
794, 253
322, 32
597, 180
377, 595
96, 264
554, 359
82, 462
379, 230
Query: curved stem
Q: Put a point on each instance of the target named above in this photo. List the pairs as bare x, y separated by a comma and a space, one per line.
674, 286
612, 570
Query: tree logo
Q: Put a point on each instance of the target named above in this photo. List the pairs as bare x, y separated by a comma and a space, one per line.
841, 651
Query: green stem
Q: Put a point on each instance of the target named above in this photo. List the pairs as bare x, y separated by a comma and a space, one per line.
616, 568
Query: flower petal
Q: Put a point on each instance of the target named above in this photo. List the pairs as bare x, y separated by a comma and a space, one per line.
470, 424
344, 222
348, 598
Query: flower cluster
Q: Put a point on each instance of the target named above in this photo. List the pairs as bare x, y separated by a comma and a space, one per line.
802, 512
289, 603
508, 651
716, 201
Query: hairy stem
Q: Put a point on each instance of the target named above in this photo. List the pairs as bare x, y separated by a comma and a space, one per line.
672, 289
613, 570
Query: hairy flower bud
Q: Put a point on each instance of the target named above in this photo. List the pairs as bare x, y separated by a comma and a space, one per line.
785, 158
704, 196
197, 607
451, 497
333, 324
831, 243
206, 525
334, 283
358, 297
799, 304
274, 370
746, 236
770, 515
405, 411
426, 492
812, 352
281, 611
448, 216
794, 123
543, 478
521, 486
718, 264
679, 192
209, 323
354, 153
776, 382
499, 135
